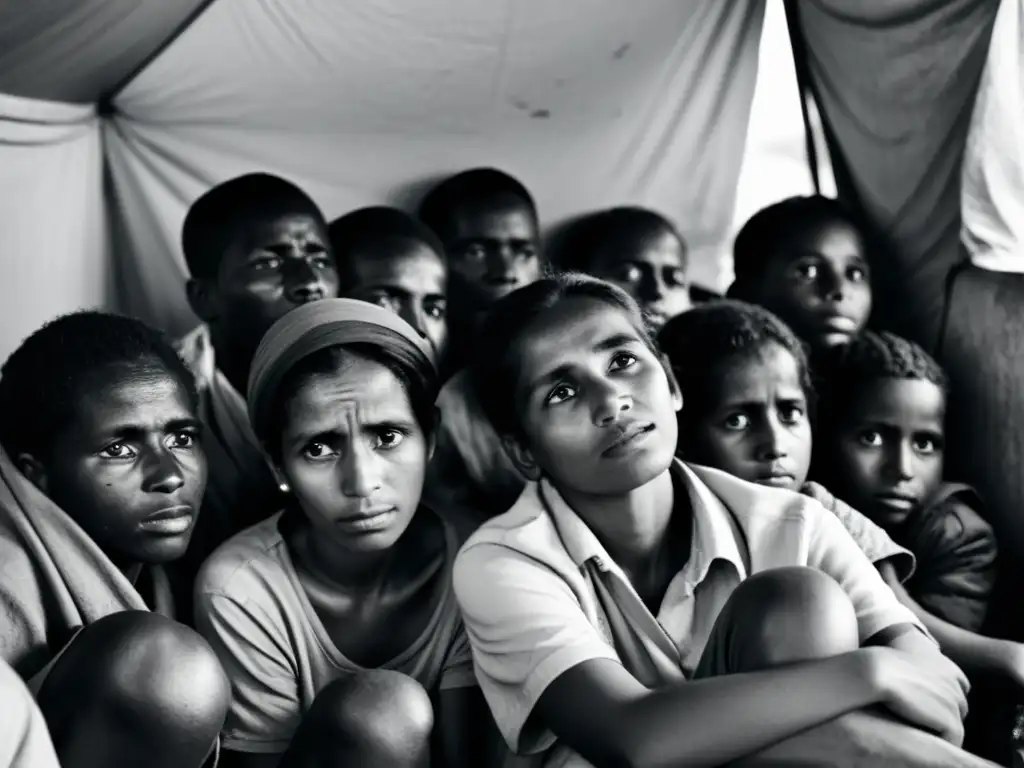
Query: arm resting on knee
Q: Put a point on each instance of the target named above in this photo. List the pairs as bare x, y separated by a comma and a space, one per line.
601, 711
864, 739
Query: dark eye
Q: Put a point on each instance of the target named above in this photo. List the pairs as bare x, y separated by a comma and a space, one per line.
807, 272
266, 263
871, 438
629, 273
623, 360
118, 451
526, 251
676, 277
183, 439
474, 252
560, 394
791, 414
736, 422
437, 310
389, 438
317, 451
926, 445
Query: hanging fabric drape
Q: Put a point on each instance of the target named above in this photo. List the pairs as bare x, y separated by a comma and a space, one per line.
993, 187
53, 249
80, 51
590, 103
895, 82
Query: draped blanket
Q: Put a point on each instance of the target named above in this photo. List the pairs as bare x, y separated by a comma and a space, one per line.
54, 579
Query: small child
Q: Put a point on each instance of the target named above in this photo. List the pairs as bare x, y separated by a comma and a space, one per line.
388, 258
803, 259
637, 249
747, 395
747, 402
880, 448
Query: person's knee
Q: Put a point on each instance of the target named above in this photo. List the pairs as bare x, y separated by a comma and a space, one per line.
792, 614
145, 672
378, 712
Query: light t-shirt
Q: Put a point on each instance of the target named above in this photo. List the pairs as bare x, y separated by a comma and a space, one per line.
276, 652
24, 738
539, 593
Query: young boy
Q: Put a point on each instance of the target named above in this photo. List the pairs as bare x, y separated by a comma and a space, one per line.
879, 447
744, 377
256, 247
488, 224
101, 477
388, 258
637, 249
634, 610
804, 260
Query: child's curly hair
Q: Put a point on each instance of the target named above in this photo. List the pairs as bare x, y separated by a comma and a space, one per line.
869, 357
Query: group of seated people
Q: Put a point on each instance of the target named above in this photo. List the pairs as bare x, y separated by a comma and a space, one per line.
418, 494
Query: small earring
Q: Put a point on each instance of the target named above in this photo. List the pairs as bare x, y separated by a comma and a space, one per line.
284, 488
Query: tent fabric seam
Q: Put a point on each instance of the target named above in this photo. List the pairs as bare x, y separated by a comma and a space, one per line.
106, 100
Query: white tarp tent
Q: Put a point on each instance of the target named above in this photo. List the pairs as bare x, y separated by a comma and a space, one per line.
590, 102
115, 114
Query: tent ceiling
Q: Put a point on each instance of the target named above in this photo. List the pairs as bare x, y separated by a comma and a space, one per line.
364, 102
81, 50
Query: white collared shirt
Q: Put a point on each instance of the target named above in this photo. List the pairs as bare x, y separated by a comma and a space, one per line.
525, 582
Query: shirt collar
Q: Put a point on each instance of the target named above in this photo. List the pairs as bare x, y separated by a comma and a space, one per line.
716, 534
579, 541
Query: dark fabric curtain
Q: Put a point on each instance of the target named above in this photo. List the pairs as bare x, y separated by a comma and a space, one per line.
895, 81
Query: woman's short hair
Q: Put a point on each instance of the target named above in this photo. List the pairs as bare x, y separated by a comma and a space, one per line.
45, 380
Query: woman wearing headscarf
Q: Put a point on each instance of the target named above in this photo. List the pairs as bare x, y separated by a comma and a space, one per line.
335, 618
